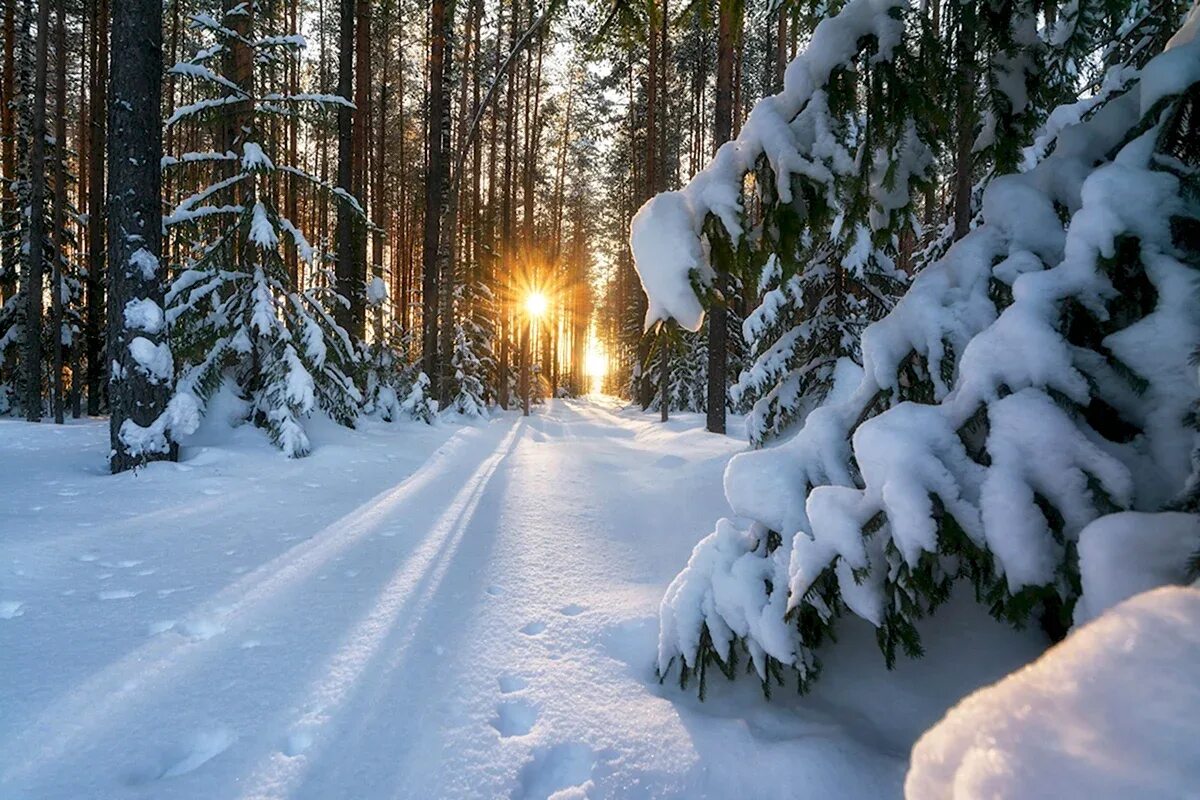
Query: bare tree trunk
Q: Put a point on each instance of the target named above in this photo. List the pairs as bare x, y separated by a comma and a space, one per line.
380, 207
94, 325
718, 347
965, 136
362, 136
346, 272
35, 278
508, 249
664, 374
60, 208
434, 190
8, 154
136, 394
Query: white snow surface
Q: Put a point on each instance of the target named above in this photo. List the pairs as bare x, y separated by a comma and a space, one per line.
414, 611
1124, 554
1112, 712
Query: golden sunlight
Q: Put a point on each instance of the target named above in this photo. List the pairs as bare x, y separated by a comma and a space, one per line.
536, 304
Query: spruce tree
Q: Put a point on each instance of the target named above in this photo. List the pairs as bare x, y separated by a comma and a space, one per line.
239, 316
1034, 378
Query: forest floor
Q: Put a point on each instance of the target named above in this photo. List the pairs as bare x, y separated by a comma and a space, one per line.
447, 611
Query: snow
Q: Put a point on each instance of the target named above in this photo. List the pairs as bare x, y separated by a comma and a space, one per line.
253, 158
377, 291
145, 315
145, 263
154, 360
1112, 712
666, 234
1008, 365
262, 232
1124, 554
1189, 30
449, 610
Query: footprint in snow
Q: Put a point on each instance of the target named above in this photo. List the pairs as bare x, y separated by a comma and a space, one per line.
202, 628
572, 610
514, 718
494, 590
555, 769
511, 683
297, 742
186, 756
117, 594
533, 628
162, 626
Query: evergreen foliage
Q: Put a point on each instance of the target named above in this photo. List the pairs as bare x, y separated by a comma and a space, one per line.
237, 314
1009, 399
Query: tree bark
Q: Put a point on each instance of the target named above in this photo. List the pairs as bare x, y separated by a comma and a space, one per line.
965, 136
35, 277
60, 208
135, 219
434, 191
362, 136
718, 323
93, 333
345, 272
8, 155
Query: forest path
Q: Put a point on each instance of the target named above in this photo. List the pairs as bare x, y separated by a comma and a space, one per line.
479, 624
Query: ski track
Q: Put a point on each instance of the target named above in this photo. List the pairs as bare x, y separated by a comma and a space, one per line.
483, 627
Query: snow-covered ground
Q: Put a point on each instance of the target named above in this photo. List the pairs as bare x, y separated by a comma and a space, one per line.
456, 611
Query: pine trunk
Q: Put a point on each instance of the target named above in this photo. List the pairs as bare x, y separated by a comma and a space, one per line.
60, 211
965, 122
35, 270
8, 155
345, 272
434, 193
362, 137
134, 217
93, 334
718, 345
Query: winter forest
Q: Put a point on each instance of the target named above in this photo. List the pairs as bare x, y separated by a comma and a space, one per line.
599, 399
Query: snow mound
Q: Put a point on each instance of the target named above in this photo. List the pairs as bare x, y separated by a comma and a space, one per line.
1121, 555
1112, 712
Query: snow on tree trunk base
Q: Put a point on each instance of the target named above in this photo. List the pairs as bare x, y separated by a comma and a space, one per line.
1112, 712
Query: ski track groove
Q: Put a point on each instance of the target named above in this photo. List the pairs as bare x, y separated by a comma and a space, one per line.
133, 679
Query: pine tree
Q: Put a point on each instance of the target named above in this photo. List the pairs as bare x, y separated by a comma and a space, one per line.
1007, 401
238, 316
471, 358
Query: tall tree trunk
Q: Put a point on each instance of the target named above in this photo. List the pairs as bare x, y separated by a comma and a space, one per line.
507, 247
664, 374
652, 154
965, 122
291, 252
346, 272
93, 334
362, 137
35, 277
135, 222
434, 190
381, 208
60, 208
9, 258
718, 325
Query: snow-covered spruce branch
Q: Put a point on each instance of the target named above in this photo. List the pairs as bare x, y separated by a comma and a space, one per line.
1034, 379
